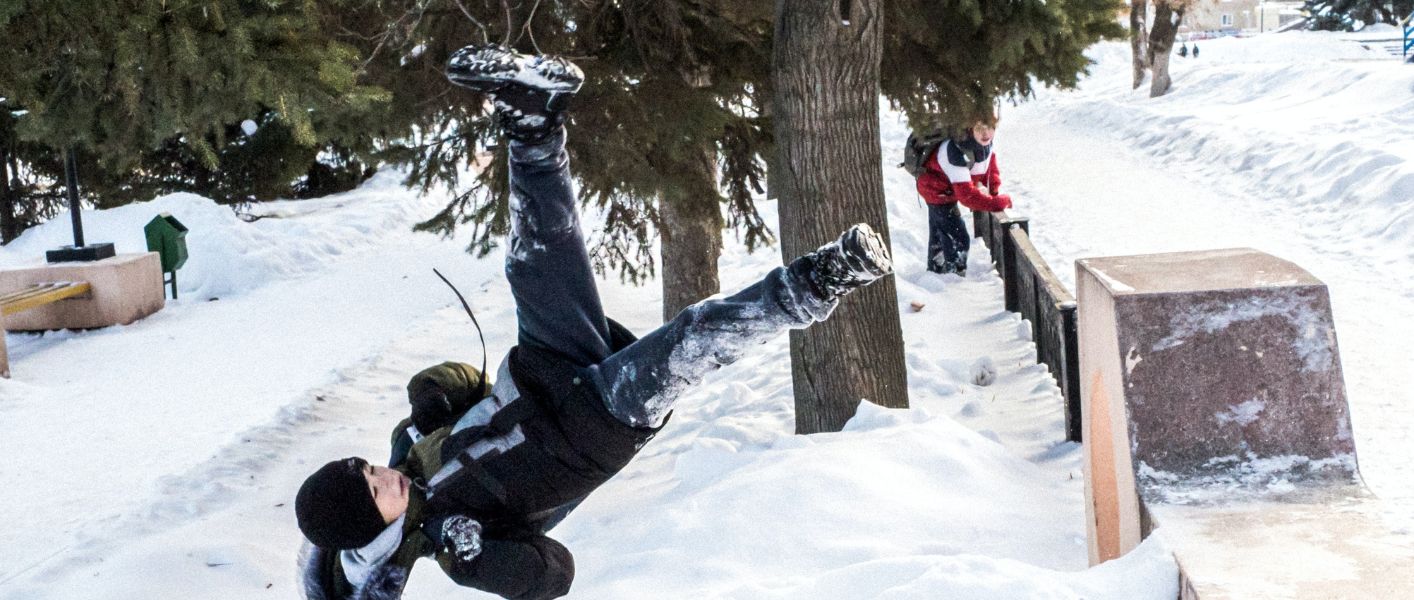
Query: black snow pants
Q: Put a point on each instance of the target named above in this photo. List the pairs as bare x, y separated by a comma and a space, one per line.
559, 310
948, 241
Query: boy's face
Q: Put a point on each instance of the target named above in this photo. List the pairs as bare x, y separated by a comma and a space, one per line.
983, 133
390, 491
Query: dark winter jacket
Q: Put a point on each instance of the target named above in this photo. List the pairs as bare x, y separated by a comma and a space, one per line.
963, 172
517, 462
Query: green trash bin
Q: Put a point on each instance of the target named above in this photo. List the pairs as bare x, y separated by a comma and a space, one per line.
168, 238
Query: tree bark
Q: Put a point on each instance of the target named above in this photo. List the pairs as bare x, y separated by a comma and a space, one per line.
1138, 17
773, 172
691, 237
825, 66
1167, 17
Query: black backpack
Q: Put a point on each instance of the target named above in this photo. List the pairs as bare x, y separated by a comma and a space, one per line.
920, 146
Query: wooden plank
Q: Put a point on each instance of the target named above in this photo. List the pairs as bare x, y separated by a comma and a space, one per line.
1026, 300
33, 290
979, 226
4, 352
43, 294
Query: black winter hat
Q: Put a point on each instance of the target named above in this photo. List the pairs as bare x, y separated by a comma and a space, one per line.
334, 508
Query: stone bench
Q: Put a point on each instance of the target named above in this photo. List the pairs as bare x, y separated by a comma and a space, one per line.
1215, 417
119, 290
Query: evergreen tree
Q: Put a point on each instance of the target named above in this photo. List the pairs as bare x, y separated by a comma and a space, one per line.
666, 108
947, 59
26, 169
1349, 15
692, 68
152, 94
672, 83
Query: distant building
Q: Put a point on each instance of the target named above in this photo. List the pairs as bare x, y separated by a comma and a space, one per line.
1211, 18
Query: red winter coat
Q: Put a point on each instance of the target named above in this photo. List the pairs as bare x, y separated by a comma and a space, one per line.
976, 188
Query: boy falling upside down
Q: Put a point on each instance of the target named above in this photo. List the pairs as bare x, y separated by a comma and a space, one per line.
481, 472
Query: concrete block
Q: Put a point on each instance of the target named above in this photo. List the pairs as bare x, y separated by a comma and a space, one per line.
125, 288
1214, 410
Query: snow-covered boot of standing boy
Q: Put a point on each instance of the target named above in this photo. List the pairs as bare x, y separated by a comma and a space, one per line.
530, 92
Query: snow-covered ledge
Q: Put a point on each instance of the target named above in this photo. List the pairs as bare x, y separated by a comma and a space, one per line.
1215, 417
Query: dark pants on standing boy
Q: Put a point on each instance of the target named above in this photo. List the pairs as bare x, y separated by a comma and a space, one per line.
948, 241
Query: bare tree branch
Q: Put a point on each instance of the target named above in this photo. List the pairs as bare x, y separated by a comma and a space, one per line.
525, 29
506, 6
485, 37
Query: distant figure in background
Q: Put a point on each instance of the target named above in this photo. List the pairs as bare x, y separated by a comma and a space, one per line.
1195, 50
1183, 50
962, 170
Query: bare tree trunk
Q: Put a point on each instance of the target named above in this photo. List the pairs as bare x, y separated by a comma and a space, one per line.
1167, 17
774, 171
1138, 16
691, 236
826, 72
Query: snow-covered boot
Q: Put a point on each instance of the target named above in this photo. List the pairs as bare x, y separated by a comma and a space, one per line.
530, 92
854, 260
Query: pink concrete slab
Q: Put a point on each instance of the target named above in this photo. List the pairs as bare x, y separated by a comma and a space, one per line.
125, 288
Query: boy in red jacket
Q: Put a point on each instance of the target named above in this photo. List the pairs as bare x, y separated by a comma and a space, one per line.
962, 170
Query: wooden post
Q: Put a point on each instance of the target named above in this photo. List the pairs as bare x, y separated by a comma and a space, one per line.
4, 352
1070, 380
1008, 267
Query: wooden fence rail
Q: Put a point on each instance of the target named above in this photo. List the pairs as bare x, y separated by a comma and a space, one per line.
1033, 290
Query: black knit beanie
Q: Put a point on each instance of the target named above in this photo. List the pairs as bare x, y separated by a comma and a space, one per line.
334, 508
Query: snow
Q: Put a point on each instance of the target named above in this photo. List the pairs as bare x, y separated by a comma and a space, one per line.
295, 334
1244, 414
1296, 144
159, 460
1299, 308
1237, 479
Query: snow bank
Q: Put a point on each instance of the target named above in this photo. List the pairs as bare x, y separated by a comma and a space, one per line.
1309, 116
229, 256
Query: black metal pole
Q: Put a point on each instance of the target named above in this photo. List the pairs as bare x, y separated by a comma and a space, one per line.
71, 180
7, 202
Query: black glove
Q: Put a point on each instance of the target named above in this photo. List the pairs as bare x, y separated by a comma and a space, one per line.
458, 535
431, 410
